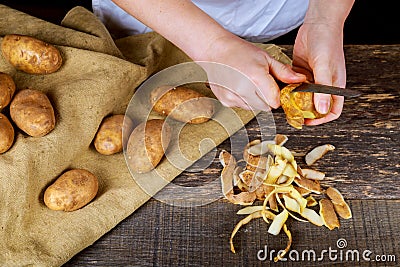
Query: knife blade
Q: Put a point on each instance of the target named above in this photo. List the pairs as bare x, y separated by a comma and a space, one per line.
326, 89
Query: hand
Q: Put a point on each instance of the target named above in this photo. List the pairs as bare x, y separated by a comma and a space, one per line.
318, 52
203, 39
257, 65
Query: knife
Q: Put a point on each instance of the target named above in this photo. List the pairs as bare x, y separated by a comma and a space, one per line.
326, 89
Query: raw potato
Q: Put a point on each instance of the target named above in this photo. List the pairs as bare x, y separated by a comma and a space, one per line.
7, 89
298, 106
32, 112
6, 134
147, 144
108, 139
182, 104
31, 55
72, 190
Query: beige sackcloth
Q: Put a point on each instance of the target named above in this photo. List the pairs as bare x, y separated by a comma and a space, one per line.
98, 78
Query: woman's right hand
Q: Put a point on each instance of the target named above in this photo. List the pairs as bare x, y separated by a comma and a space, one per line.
203, 39
251, 64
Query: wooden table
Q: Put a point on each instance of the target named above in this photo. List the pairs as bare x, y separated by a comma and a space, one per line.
365, 167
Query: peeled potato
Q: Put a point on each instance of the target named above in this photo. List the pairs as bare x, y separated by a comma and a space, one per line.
182, 104
7, 89
109, 137
298, 106
147, 144
31, 55
6, 134
32, 112
72, 190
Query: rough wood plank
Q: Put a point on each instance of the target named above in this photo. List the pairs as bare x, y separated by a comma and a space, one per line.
365, 167
366, 162
164, 235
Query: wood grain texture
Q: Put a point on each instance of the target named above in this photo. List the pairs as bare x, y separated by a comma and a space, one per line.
365, 167
163, 235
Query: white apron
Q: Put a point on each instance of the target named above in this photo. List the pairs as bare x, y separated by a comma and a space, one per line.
254, 20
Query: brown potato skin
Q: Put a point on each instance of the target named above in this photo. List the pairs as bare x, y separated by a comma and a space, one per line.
147, 144
71, 191
31, 55
7, 89
109, 137
32, 112
6, 134
182, 104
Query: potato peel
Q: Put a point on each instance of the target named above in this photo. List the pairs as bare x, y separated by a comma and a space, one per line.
311, 202
311, 185
294, 116
262, 191
328, 214
280, 139
243, 198
225, 157
339, 204
271, 175
246, 177
291, 204
291, 214
246, 220
283, 253
278, 222
302, 191
317, 153
312, 174
343, 210
312, 217
260, 148
249, 210
335, 196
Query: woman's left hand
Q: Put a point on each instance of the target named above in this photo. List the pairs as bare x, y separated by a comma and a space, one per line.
318, 53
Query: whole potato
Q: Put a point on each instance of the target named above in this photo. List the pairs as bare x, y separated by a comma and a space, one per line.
182, 104
7, 89
72, 190
108, 138
147, 144
6, 134
31, 55
298, 106
32, 112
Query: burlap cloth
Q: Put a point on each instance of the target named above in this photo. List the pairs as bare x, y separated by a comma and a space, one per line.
98, 78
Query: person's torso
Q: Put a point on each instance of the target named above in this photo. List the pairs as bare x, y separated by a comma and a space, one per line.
254, 20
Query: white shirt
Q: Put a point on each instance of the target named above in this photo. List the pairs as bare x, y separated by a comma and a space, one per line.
254, 20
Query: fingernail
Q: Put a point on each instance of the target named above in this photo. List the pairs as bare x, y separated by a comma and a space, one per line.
323, 106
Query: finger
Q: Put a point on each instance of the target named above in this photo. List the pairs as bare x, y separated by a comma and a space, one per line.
269, 92
322, 103
229, 98
306, 72
251, 102
284, 72
258, 102
335, 112
340, 79
322, 75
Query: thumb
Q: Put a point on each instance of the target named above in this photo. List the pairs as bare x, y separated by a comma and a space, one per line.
284, 72
322, 102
